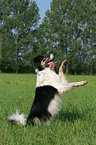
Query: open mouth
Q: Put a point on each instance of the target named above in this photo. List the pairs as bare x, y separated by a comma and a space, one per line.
47, 62
51, 65
50, 62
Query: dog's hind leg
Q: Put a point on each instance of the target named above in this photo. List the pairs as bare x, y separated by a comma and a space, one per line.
33, 116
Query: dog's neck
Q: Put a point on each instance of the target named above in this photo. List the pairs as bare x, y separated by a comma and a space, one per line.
44, 77
46, 69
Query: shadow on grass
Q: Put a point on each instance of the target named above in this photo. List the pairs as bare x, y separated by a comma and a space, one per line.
70, 116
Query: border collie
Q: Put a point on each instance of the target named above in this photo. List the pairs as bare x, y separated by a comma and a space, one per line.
49, 90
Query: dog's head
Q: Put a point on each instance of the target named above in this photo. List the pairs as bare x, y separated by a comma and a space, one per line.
42, 61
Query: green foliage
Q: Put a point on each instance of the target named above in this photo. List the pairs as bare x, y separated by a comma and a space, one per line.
69, 30
74, 125
18, 24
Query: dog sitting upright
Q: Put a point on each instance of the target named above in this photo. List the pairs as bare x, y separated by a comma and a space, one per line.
49, 90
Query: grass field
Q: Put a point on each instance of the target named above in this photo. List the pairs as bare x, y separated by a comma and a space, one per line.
74, 125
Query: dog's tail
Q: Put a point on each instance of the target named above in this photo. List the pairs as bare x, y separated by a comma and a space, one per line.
19, 118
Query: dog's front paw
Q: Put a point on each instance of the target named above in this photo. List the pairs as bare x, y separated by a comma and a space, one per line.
63, 65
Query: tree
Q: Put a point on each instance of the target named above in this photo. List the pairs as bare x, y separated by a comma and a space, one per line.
19, 19
65, 31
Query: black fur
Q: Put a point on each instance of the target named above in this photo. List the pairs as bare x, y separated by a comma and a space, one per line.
43, 96
37, 62
42, 99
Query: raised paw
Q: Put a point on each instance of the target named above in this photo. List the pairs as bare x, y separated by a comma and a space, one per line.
63, 65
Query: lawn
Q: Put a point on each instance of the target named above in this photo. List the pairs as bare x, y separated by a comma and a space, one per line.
74, 125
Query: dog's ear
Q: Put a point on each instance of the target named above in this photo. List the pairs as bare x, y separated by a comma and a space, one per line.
39, 58
37, 62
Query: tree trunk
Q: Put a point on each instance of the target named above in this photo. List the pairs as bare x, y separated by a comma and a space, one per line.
0, 53
91, 70
17, 62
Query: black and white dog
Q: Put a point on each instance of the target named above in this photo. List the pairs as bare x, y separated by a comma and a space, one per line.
49, 90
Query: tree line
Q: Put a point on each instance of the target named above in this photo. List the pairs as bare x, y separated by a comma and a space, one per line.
68, 30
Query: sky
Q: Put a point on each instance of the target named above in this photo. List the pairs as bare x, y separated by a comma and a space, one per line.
43, 5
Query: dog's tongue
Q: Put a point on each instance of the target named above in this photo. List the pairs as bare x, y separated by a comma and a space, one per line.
52, 65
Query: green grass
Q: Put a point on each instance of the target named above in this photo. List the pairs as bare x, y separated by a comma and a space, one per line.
74, 125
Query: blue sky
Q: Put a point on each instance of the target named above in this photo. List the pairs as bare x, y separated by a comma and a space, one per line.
43, 5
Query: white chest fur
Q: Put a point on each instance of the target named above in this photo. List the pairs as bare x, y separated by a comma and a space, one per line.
49, 77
